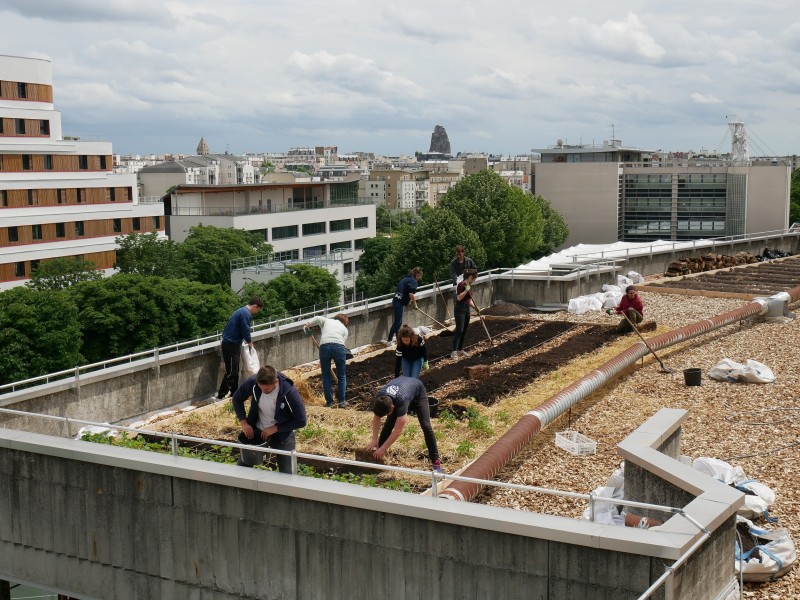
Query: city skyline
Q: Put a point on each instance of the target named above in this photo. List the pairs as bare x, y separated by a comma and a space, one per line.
264, 77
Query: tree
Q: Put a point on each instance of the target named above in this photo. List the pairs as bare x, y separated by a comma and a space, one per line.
305, 285
273, 306
39, 333
209, 250
794, 194
145, 254
129, 313
390, 221
376, 252
555, 229
508, 222
60, 273
430, 246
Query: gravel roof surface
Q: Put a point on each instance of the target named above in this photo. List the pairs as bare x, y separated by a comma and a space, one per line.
751, 425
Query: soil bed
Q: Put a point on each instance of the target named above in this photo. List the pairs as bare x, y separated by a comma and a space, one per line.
524, 349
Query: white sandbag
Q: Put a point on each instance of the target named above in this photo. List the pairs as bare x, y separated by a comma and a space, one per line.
635, 277
750, 372
623, 281
772, 554
606, 513
422, 330
250, 362
608, 287
758, 496
583, 304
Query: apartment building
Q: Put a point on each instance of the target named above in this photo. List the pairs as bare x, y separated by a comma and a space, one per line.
59, 195
301, 220
612, 192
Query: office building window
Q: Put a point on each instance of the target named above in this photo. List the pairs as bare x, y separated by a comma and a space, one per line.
1, 120
117, 225
103, 162
13, 234
111, 194
20, 126
156, 223
19, 269
4, 195
22, 90
48, 162
33, 197
34, 266
44, 127
83, 162
60, 195
341, 246
61, 231
348, 268
361, 222
340, 225
26, 162
283, 233
359, 245
81, 195
136, 223
287, 255
79, 228
36, 232
313, 251
313, 228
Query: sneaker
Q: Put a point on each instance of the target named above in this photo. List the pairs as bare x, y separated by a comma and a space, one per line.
463, 353
454, 355
437, 466
344, 404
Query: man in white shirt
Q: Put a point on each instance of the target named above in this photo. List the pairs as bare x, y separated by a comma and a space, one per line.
332, 348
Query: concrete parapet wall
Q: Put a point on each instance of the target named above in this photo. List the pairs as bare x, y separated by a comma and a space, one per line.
100, 521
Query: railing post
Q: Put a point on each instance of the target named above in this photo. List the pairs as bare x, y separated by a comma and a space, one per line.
174, 444
591, 507
69, 428
294, 462
435, 484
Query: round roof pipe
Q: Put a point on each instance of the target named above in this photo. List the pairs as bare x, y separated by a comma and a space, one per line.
504, 450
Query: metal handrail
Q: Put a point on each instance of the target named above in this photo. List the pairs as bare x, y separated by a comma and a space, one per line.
436, 478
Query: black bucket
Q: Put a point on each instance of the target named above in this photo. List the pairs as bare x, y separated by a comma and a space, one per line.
432, 402
692, 376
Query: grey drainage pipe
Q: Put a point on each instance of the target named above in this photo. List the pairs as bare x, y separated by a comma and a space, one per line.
504, 450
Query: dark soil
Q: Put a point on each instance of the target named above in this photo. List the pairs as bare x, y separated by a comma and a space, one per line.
524, 349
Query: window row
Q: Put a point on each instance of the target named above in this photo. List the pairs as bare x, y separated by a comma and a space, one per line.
21, 90
23, 269
66, 196
70, 230
24, 127
292, 231
15, 163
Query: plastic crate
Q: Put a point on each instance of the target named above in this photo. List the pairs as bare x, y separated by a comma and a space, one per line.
575, 443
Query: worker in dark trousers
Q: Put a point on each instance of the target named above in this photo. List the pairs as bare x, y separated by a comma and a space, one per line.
236, 331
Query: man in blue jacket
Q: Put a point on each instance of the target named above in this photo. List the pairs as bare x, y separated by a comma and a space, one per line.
276, 411
236, 331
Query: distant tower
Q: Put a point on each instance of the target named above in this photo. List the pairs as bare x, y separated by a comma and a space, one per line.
202, 147
739, 153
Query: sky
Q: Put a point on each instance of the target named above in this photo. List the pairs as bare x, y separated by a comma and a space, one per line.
502, 76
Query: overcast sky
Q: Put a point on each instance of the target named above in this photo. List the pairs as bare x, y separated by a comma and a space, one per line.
500, 76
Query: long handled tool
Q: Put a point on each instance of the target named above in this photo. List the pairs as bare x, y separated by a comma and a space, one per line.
442, 325
436, 283
486, 329
663, 368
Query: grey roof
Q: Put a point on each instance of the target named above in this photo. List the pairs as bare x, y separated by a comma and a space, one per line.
171, 166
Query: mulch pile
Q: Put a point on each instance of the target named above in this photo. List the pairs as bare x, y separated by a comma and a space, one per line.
505, 309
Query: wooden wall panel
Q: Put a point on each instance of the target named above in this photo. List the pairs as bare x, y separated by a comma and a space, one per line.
36, 92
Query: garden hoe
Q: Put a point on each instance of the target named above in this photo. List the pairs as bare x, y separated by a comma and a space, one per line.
446, 310
663, 368
486, 329
445, 331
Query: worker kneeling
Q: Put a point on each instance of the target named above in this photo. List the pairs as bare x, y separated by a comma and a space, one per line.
631, 308
392, 402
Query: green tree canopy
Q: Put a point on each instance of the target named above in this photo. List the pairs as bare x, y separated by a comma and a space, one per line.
145, 254
129, 313
507, 221
555, 230
60, 273
39, 333
391, 221
209, 250
794, 194
305, 285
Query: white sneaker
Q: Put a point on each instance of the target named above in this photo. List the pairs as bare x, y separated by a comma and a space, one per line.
454, 355
463, 353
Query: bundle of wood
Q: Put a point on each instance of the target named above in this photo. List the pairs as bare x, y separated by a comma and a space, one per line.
707, 262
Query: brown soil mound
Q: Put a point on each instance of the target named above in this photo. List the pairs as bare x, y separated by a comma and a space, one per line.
505, 309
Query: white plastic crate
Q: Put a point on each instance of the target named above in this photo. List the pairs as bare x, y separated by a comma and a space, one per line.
575, 443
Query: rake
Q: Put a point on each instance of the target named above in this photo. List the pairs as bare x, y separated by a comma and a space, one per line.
663, 368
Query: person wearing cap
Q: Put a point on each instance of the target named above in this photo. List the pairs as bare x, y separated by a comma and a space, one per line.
392, 401
276, 412
631, 306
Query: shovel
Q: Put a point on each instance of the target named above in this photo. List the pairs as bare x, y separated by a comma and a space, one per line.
486, 329
663, 368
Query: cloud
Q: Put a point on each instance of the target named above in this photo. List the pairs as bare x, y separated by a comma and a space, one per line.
90, 11
704, 99
625, 40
